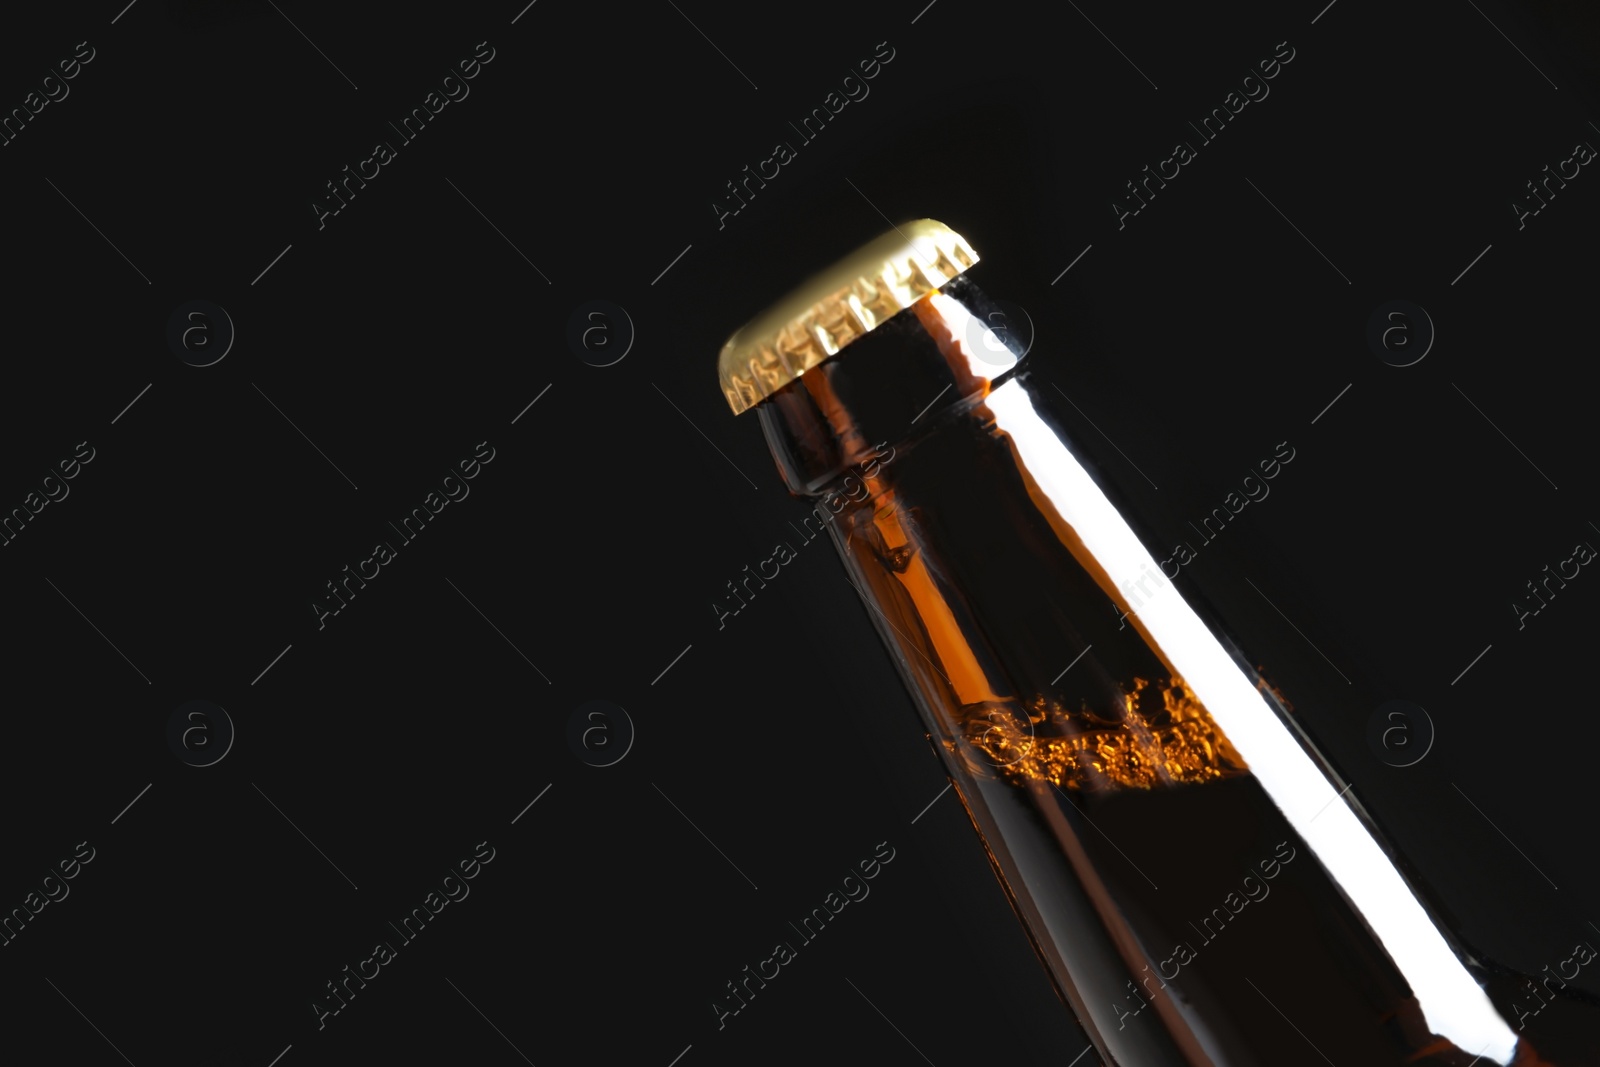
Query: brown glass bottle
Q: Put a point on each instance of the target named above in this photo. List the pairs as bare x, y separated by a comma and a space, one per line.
1201, 887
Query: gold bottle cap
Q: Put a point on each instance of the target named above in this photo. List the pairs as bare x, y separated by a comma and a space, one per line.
834, 307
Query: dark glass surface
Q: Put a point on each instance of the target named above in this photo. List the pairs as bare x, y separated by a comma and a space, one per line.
1196, 877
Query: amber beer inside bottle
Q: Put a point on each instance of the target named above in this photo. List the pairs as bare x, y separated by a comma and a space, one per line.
1200, 886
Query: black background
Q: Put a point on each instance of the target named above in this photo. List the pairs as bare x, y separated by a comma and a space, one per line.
413, 325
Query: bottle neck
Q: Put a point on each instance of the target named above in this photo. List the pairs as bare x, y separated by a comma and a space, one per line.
886, 386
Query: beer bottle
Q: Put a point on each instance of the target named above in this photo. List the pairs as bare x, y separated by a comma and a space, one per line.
1266, 922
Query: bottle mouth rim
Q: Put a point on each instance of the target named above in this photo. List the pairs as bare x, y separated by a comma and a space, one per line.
832, 308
